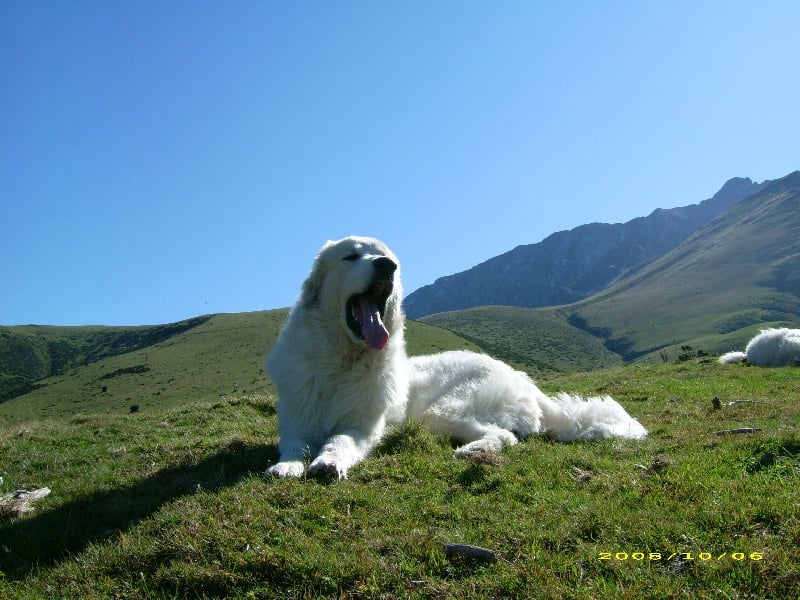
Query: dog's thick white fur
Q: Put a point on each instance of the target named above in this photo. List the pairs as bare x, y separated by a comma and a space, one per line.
342, 374
477, 399
770, 348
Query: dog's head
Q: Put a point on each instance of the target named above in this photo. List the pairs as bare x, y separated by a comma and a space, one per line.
355, 283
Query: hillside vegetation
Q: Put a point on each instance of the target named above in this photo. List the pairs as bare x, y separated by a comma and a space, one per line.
170, 503
33, 352
531, 339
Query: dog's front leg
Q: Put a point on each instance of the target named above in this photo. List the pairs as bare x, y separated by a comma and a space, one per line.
341, 452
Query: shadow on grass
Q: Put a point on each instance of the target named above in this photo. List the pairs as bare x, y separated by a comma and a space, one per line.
55, 534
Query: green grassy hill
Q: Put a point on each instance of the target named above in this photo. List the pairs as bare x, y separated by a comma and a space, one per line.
33, 352
217, 356
169, 503
534, 339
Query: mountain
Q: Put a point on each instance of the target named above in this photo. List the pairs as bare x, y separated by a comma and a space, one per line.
713, 292
572, 265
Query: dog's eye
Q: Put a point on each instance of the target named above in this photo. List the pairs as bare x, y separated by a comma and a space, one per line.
352, 257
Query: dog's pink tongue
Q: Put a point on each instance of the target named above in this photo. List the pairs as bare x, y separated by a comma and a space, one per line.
372, 327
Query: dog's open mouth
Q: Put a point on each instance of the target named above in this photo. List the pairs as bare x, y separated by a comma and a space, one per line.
365, 314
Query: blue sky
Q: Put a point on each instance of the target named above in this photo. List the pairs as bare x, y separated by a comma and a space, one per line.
161, 160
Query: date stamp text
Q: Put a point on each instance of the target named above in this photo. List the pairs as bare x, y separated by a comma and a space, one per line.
682, 556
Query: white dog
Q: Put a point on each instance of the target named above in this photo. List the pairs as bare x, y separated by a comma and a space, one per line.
342, 374
770, 348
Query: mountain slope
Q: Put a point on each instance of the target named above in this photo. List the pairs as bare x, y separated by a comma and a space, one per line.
538, 339
571, 265
32, 352
740, 273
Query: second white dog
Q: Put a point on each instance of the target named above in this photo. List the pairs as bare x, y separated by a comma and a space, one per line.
770, 348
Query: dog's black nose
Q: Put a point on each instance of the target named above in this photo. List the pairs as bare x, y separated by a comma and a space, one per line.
384, 267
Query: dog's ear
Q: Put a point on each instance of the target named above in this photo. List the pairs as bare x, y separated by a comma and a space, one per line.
313, 283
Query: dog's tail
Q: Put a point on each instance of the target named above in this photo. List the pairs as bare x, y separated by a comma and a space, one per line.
569, 417
732, 357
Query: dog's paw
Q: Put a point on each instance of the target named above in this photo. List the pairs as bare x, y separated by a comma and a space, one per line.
488, 445
289, 468
326, 468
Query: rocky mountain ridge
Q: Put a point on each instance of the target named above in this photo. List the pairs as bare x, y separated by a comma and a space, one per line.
569, 266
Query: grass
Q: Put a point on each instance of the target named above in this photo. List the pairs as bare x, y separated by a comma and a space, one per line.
170, 503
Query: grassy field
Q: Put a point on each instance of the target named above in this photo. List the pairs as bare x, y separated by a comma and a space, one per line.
170, 503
